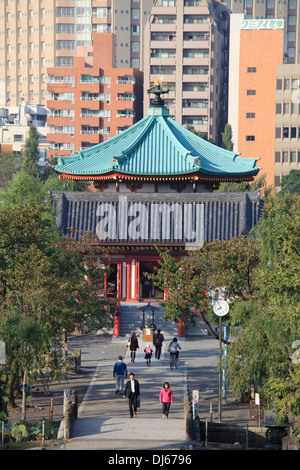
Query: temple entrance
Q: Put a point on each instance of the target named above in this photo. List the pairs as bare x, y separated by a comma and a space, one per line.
146, 285
112, 280
128, 280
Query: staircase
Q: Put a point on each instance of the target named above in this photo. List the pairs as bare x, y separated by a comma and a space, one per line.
131, 318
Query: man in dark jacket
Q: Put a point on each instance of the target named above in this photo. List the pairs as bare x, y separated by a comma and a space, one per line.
119, 372
132, 392
158, 341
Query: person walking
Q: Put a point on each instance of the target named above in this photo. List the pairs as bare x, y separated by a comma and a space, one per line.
119, 372
148, 354
134, 345
132, 392
166, 398
158, 341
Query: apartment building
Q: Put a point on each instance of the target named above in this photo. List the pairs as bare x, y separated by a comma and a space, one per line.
186, 45
287, 121
37, 34
92, 100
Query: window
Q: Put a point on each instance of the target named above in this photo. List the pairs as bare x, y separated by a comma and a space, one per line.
292, 4
286, 132
202, 86
135, 46
293, 132
135, 29
291, 36
292, 20
135, 13
291, 52
250, 115
194, 70
194, 53
250, 138
286, 108
251, 92
277, 157
251, 69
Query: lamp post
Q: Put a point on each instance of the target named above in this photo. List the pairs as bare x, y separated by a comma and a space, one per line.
220, 308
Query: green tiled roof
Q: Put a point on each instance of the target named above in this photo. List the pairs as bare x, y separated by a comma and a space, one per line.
154, 146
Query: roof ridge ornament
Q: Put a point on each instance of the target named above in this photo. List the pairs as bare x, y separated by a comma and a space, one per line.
158, 90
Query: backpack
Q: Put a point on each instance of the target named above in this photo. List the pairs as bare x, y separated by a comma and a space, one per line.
173, 347
148, 350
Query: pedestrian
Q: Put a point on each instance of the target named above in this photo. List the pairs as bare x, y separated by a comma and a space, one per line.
158, 341
174, 348
166, 398
132, 392
148, 354
134, 345
119, 372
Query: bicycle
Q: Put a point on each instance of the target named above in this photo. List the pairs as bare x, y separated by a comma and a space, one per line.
174, 361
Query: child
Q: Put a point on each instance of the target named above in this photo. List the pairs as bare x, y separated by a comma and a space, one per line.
148, 354
166, 398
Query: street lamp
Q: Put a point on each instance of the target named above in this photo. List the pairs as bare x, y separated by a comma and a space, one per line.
220, 308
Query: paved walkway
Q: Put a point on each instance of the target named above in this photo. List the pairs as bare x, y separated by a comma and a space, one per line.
103, 418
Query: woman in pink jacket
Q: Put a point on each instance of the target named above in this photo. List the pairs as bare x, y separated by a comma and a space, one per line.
166, 398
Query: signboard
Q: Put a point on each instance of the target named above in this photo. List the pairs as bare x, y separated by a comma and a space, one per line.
263, 24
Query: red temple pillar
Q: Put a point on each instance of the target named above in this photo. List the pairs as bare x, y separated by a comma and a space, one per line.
181, 329
128, 280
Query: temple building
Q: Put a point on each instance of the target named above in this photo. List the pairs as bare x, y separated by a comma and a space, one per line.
155, 186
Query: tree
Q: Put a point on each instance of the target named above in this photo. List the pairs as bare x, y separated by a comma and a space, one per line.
219, 264
30, 155
290, 182
53, 182
44, 286
23, 189
8, 166
268, 326
227, 137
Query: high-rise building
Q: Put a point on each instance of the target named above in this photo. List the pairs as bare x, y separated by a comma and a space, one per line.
92, 100
252, 88
285, 136
186, 44
288, 10
37, 34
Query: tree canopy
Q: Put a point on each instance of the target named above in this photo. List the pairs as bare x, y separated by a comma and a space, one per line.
260, 277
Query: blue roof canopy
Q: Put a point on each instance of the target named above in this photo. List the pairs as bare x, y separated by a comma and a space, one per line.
156, 146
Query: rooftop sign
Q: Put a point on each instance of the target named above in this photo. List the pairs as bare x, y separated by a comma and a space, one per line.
263, 24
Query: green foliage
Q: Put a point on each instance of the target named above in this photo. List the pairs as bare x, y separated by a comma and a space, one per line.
261, 277
227, 137
8, 167
24, 189
290, 183
44, 290
53, 182
30, 155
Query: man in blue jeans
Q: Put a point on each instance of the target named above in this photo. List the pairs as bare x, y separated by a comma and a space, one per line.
119, 372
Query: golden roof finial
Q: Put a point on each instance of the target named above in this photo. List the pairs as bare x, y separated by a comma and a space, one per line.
158, 81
